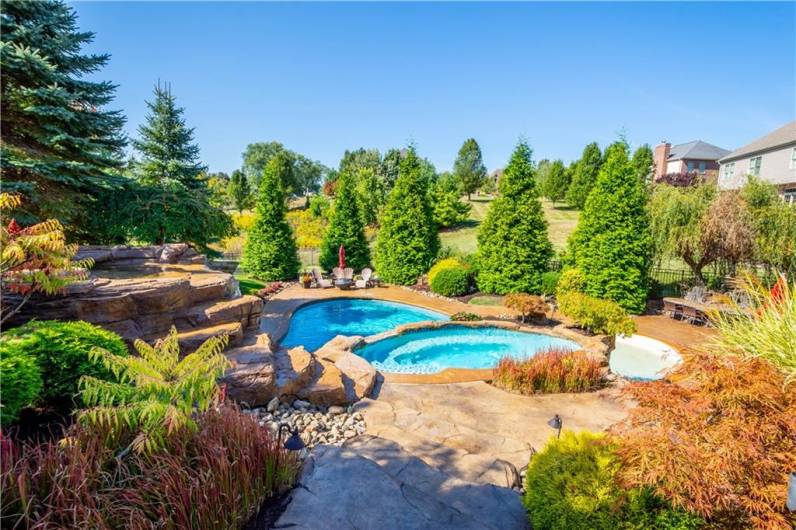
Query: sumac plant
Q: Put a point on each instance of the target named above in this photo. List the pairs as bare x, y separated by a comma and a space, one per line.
33, 259
215, 477
716, 437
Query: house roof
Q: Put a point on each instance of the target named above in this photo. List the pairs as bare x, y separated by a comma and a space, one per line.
782, 136
696, 150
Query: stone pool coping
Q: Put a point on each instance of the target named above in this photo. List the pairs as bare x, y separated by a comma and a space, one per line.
279, 310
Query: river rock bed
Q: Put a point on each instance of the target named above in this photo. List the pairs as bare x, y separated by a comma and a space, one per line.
316, 424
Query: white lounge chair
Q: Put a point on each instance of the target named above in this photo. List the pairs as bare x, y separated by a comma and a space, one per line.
365, 281
348, 274
337, 273
319, 281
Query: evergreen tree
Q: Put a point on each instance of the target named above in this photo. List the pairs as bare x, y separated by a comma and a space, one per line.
469, 167
58, 145
171, 201
513, 247
584, 176
642, 161
557, 181
370, 193
448, 209
408, 241
239, 190
270, 251
612, 245
346, 228
166, 145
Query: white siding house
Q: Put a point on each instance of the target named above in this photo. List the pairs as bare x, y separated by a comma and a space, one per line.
771, 158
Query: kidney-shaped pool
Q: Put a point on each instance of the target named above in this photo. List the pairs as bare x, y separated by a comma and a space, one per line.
430, 351
315, 324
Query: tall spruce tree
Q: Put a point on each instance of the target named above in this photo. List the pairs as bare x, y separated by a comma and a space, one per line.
166, 145
270, 251
239, 190
612, 244
59, 143
584, 176
513, 247
408, 242
172, 200
346, 228
469, 167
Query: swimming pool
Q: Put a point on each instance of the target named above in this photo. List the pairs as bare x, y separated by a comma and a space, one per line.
642, 358
430, 351
315, 324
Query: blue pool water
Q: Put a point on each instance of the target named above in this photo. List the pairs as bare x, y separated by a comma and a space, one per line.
432, 350
315, 324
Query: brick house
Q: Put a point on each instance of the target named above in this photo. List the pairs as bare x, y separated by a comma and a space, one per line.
696, 158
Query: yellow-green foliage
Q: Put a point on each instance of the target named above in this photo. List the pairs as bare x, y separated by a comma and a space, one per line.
447, 263
158, 392
598, 316
570, 485
308, 228
767, 330
243, 220
571, 281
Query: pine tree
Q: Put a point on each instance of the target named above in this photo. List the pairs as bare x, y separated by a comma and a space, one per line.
513, 247
346, 228
408, 241
469, 167
168, 151
612, 245
172, 201
59, 144
642, 161
270, 252
584, 176
239, 190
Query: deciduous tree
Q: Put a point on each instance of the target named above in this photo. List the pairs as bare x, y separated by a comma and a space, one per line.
239, 190
555, 186
469, 167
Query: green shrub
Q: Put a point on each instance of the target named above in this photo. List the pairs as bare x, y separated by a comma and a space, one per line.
463, 316
21, 381
61, 351
447, 263
550, 282
571, 485
598, 316
571, 281
453, 281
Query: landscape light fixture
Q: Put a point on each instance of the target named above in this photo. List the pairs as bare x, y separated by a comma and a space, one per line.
294, 441
792, 492
556, 423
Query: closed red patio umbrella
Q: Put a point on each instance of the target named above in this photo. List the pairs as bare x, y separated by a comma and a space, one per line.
341, 257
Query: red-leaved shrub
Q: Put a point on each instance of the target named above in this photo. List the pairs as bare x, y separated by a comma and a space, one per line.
716, 437
216, 477
549, 371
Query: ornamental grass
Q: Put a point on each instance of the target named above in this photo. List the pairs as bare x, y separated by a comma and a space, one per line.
216, 477
550, 371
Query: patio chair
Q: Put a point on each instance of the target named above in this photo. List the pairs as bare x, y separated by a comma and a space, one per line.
365, 281
337, 273
319, 281
348, 273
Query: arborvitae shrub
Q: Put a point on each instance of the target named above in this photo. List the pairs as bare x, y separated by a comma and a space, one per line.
453, 281
61, 350
408, 242
550, 282
513, 247
270, 251
346, 228
612, 244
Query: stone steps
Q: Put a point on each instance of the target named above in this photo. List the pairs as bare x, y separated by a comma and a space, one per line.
371, 482
191, 340
244, 310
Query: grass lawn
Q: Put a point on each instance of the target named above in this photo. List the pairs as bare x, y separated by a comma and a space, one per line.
249, 285
561, 219
486, 299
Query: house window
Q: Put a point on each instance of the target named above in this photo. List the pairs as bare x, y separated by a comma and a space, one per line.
793, 158
690, 166
754, 165
701, 167
789, 194
729, 172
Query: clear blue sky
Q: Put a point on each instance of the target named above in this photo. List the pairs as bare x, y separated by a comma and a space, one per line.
323, 77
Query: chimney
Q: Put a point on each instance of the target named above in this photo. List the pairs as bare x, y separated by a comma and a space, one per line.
662, 151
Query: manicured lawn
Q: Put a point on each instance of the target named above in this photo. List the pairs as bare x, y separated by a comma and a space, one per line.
249, 285
486, 300
561, 219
